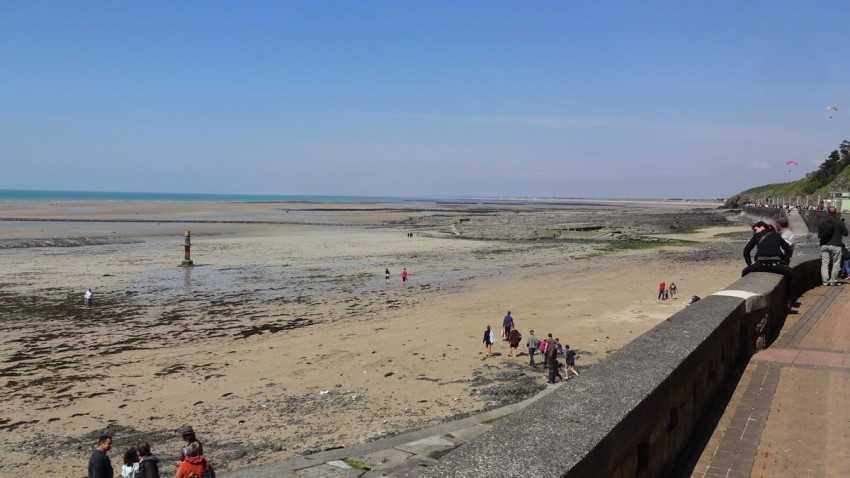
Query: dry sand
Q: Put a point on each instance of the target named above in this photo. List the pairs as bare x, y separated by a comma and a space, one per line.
284, 338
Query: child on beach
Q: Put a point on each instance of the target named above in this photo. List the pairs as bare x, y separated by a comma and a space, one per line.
570, 356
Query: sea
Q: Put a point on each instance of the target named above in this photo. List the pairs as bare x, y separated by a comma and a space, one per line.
28, 195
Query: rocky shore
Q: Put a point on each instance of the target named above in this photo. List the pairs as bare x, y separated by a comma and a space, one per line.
285, 339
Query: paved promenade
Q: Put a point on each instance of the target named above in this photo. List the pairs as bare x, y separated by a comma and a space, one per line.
789, 415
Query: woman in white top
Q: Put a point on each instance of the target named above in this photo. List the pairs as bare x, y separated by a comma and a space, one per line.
131, 464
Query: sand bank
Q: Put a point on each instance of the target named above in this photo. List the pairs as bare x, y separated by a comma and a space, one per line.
285, 338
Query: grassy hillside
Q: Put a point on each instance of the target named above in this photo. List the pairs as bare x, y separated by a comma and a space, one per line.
833, 175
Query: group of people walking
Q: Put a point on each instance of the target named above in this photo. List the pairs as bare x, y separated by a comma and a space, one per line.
139, 462
665, 292
403, 275
550, 348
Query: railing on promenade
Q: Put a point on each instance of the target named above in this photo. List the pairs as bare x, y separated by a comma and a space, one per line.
812, 217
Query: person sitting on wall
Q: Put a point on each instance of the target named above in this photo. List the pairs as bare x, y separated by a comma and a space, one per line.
772, 253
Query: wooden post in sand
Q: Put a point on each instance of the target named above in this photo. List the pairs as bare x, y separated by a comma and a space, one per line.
187, 245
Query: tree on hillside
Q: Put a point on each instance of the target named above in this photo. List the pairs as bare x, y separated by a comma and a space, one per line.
832, 175
824, 174
831, 167
844, 149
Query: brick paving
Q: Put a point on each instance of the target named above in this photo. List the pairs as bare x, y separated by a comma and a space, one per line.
789, 415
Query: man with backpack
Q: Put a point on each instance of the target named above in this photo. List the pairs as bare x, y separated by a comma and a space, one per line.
830, 233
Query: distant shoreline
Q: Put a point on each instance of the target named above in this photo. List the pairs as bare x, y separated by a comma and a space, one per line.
41, 196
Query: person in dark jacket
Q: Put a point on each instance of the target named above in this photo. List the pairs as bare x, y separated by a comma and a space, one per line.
551, 357
830, 248
148, 464
772, 253
99, 464
488, 341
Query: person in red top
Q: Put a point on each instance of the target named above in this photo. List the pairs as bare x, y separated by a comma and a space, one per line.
404, 276
194, 465
661, 288
513, 340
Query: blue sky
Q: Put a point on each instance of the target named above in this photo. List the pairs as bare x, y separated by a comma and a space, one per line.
478, 98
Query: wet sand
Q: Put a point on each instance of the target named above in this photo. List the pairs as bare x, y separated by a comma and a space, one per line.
284, 338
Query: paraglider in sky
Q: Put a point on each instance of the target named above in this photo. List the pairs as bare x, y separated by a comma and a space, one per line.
789, 164
831, 108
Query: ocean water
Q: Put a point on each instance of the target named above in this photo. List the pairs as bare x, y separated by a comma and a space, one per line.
21, 195
24, 195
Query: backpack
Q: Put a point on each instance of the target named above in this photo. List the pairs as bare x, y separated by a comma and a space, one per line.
825, 229
208, 473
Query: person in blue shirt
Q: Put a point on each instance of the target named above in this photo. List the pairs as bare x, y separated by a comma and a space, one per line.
506, 324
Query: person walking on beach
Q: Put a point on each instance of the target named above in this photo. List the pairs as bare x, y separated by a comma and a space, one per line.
489, 338
404, 276
148, 464
551, 361
830, 233
507, 323
387, 275
771, 255
673, 290
570, 356
99, 464
87, 297
533, 343
513, 340
544, 348
661, 288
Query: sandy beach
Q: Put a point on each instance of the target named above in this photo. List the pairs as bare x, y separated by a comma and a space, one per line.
284, 338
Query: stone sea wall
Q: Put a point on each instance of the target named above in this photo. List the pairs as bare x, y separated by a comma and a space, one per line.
811, 217
635, 413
